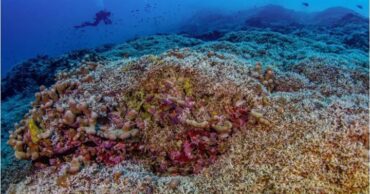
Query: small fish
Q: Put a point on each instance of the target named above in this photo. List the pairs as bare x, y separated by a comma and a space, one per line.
305, 4
359, 6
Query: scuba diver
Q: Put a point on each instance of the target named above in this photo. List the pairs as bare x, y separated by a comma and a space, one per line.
100, 16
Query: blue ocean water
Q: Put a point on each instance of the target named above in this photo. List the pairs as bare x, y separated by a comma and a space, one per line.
41, 27
307, 59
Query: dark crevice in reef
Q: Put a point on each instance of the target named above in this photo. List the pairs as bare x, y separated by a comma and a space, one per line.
25, 78
209, 36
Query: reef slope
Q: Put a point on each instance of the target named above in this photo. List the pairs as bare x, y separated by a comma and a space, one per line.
298, 136
296, 98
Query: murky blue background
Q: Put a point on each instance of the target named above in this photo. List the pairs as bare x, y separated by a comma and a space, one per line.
32, 27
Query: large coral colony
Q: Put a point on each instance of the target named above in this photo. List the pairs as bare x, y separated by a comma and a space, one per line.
175, 120
217, 122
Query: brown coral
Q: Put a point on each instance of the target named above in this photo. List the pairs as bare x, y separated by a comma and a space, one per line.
138, 122
289, 142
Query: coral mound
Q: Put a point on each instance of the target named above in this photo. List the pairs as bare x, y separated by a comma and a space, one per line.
198, 122
175, 120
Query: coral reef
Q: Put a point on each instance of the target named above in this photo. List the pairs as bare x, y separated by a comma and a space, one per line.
190, 113
166, 120
27, 76
278, 109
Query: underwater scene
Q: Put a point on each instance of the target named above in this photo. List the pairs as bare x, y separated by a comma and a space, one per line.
184, 96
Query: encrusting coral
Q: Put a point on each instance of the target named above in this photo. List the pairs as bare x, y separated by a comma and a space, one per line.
175, 120
151, 122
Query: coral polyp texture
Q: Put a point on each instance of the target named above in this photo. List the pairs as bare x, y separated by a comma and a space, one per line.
187, 121
173, 119
243, 102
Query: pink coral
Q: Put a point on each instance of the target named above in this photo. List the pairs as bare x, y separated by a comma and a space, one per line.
165, 120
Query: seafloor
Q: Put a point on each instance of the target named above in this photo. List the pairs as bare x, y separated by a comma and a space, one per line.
305, 87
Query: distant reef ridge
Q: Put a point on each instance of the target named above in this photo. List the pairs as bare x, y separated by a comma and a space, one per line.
262, 103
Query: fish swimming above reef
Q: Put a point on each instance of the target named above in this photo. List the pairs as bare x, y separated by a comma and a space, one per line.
99, 16
359, 6
305, 4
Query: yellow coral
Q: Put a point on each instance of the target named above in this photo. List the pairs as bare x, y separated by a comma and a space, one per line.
136, 100
188, 87
34, 131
